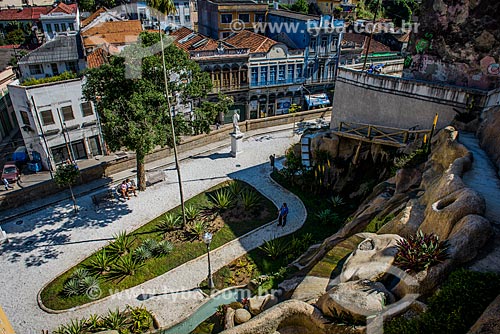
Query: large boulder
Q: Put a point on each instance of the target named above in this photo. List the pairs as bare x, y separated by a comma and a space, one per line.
358, 299
372, 259
443, 214
488, 134
241, 316
328, 142
311, 288
258, 304
468, 236
229, 318
407, 178
407, 221
489, 322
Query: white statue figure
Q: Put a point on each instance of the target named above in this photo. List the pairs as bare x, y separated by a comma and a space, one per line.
236, 119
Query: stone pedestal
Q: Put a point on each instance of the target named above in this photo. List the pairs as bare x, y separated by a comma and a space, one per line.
236, 139
3, 236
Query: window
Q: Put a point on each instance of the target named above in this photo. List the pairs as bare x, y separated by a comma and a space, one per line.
244, 17
67, 113
226, 18
255, 75
86, 109
78, 150
56, 27
95, 146
54, 68
272, 74
36, 69
299, 71
63, 26
259, 17
312, 45
25, 118
72, 66
71, 27
48, 28
290, 73
263, 75
281, 73
177, 19
186, 4
47, 117
187, 18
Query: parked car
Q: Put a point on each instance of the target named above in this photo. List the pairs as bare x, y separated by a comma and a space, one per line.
11, 172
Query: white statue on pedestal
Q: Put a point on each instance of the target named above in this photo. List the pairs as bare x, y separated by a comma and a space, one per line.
236, 119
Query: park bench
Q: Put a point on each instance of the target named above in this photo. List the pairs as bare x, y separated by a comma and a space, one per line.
155, 177
103, 196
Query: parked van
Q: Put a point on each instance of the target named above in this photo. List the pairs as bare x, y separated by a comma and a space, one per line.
10, 172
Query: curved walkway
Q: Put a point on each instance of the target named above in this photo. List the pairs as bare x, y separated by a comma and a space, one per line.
482, 177
52, 240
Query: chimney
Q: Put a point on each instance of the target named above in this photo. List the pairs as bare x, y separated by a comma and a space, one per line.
276, 5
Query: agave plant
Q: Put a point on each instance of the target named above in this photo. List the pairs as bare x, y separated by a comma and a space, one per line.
222, 199
76, 326
126, 266
164, 247
80, 273
141, 319
121, 245
275, 248
327, 216
100, 263
197, 229
234, 188
142, 253
150, 244
192, 212
94, 323
336, 201
116, 320
89, 283
169, 223
250, 199
72, 287
420, 251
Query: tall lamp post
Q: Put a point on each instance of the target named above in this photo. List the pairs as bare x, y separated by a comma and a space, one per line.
207, 239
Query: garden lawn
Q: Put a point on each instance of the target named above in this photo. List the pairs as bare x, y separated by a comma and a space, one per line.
235, 225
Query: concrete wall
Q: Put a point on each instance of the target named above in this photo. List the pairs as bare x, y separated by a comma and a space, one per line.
396, 102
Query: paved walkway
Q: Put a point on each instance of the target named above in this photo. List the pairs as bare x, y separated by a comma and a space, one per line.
483, 178
52, 240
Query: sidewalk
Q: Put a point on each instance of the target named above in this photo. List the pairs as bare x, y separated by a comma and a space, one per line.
51, 240
99, 184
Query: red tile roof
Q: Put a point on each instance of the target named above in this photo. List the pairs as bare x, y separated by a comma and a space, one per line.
24, 14
375, 47
97, 58
64, 8
187, 45
247, 39
92, 17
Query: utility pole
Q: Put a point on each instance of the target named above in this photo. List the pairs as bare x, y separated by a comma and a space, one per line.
371, 34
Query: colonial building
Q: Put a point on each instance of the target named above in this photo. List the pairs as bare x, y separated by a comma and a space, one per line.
276, 74
114, 34
8, 121
62, 18
339, 8
220, 18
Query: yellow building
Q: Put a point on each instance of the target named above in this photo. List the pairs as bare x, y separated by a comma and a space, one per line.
219, 18
329, 6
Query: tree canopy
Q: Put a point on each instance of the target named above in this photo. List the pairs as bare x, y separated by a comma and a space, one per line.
133, 110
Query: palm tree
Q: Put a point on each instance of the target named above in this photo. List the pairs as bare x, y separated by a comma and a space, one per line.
167, 7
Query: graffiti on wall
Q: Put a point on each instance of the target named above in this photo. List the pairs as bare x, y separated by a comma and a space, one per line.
424, 43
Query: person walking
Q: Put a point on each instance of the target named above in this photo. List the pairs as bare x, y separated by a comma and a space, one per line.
272, 158
283, 213
6, 184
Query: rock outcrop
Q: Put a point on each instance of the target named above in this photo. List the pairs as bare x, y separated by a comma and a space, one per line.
489, 322
241, 316
488, 134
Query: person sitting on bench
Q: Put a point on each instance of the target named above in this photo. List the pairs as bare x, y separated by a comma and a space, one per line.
123, 190
130, 187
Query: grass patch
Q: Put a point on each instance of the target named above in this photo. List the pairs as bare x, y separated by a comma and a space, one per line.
454, 308
233, 222
377, 223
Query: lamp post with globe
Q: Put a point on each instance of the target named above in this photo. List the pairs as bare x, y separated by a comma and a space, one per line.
207, 239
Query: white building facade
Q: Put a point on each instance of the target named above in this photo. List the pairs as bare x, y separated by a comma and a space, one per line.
63, 18
56, 121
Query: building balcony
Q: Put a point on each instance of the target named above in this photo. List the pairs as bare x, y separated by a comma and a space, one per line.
229, 88
218, 53
268, 83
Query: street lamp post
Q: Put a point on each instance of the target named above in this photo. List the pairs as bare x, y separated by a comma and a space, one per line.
207, 239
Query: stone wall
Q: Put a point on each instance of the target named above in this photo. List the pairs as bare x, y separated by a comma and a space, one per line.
396, 102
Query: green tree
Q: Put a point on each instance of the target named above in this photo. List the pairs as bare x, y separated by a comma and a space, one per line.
15, 37
134, 112
66, 176
300, 6
207, 113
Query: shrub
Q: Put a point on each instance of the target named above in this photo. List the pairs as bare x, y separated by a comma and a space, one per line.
151, 245
164, 247
327, 217
72, 287
74, 327
140, 318
222, 199
377, 223
100, 263
89, 283
121, 245
169, 223
80, 273
420, 251
116, 320
336, 201
63, 76
142, 253
192, 212
126, 266
196, 230
235, 188
275, 248
250, 199
454, 308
